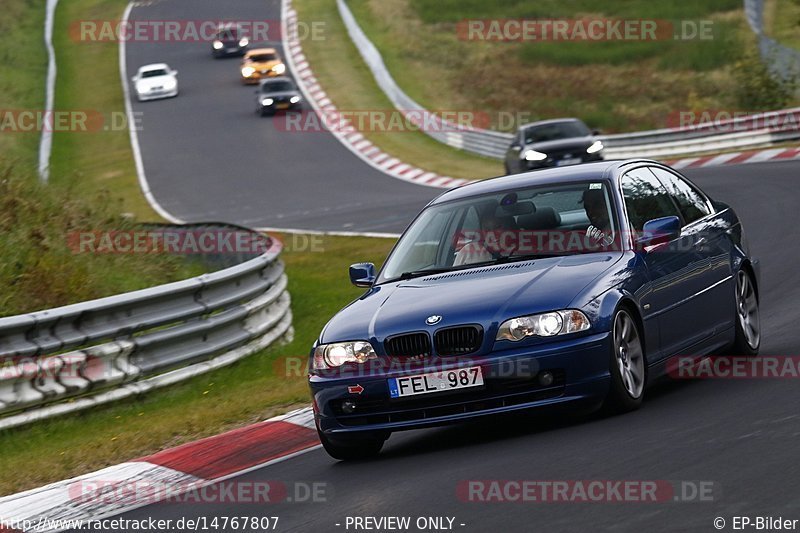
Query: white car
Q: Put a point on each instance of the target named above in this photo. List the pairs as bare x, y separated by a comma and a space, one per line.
155, 81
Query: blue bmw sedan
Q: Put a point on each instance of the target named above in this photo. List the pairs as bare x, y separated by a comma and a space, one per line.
564, 287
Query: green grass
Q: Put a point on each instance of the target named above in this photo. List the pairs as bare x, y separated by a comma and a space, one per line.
251, 390
782, 19
348, 82
24, 69
616, 86
88, 79
39, 270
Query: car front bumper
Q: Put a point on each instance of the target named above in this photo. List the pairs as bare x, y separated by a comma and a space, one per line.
511, 382
157, 95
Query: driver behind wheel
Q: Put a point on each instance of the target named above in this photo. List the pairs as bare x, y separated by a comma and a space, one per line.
488, 244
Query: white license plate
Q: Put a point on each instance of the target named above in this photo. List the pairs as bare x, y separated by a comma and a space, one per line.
461, 378
570, 161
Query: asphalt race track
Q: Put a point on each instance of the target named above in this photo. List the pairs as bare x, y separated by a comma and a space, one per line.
209, 157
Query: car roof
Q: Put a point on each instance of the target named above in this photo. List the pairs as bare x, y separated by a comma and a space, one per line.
551, 121
154, 66
257, 51
598, 171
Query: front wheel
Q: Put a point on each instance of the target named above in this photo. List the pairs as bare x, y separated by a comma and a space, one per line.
353, 448
627, 365
748, 323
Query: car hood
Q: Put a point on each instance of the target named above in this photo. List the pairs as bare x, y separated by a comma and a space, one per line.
158, 81
485, 296
579, 144
279, 94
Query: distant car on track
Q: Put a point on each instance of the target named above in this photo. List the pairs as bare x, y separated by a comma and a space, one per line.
571, 287
229, 41
277, 94
261, 63
552, 143
155, 81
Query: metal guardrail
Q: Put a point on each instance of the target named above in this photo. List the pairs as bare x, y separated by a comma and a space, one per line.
122, 345
738, 133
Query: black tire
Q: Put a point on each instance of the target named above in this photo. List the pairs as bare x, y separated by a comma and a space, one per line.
748, 324
627, 365
353, 448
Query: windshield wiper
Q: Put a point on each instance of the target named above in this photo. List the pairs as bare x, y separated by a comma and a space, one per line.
419, 273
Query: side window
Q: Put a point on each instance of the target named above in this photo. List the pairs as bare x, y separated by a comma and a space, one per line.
645, 198
690, 202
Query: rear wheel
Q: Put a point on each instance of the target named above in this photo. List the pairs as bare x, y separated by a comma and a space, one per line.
627, 365
353, 448
748, 323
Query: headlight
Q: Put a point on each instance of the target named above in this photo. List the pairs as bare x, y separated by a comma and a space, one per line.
294, 99
328, 356
217, 45
595, 147
543, 325
243, 42
248, 71
170, 84
280, 68
141, 88
266, 101
533, 155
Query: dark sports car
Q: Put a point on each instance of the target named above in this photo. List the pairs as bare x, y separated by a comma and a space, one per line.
277, 94
569, 287
552, 143
229, 41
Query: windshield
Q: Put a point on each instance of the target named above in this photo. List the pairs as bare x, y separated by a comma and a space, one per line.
154, 73
277, 87
542, 221
555, 131
229, 35
263, 58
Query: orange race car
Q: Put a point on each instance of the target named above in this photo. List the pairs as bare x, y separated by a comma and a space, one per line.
261, 63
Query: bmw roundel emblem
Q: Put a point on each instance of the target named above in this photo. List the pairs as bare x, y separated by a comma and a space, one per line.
433, 319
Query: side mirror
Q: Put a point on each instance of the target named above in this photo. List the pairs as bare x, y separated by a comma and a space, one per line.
135, 79
174, 72
659, 230
597, 132
362, 274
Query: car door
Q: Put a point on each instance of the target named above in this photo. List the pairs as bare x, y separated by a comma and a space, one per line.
675, 269
708, 230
